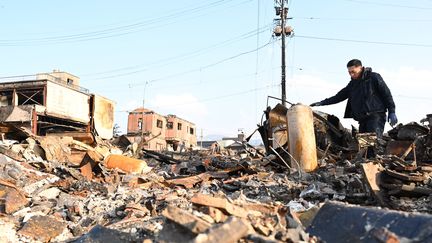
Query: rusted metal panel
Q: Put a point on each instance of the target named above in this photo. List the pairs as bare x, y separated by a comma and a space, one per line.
68, 103
126, 164
103, 115
278, 125
397, 148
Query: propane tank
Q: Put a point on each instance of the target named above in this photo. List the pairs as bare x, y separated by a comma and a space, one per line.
301, 136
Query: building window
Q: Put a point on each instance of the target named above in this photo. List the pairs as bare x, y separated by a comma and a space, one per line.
159, 123
6, 98
191, 130
69, 81
170, 125
30, 97
139, 123
179, 126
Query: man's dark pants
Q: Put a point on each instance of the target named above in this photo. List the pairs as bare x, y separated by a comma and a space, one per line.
373, 123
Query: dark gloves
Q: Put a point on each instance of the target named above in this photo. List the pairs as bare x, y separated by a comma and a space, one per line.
316, 104
392, 119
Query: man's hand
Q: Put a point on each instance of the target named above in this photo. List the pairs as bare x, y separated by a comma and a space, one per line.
316, 104
392, 119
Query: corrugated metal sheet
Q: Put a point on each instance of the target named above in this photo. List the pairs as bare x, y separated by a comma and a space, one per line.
104, 116
68, 103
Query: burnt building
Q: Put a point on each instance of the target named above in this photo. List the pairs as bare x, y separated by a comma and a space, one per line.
54, 103
160, 132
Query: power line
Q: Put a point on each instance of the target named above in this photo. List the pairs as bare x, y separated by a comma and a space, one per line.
203, 67
184, 72
361, 19
214, 98
140, 23
171, 60
115, 31
257, 57
222, 96
109, 25
225, 78
389, 4
362, 41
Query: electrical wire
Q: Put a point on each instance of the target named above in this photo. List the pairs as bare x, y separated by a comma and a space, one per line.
257, 57
389, 5
203, 67
115, 31
211, 99
182, 57
361, 19
151, 21
362, 41
236, 78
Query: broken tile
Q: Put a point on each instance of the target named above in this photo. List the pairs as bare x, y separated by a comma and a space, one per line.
42, 228
230, 232
186, 219
12, 199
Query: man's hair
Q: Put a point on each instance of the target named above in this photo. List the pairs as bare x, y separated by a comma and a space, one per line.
354, 63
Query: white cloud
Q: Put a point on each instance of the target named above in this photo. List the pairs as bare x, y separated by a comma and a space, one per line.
411, 90
409, 81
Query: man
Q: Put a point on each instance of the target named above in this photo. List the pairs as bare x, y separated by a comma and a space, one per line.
368, 99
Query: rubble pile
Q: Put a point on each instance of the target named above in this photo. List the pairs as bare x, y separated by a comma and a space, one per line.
57, 188
47, 195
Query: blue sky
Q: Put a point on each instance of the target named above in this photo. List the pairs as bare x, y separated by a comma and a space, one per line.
199, 59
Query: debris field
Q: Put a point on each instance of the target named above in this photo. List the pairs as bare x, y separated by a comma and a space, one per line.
66, 189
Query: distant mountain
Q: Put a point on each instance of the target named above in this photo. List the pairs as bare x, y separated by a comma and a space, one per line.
212, 137
216, 137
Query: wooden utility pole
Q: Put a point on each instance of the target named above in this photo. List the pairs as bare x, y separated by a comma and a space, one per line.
283, 18
142, 117
282, 30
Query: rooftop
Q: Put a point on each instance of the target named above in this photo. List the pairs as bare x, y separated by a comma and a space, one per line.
42, 76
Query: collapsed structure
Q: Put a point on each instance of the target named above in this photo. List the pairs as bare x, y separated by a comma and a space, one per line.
48, 103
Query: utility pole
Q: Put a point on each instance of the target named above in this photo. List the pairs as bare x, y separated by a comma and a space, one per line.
283, 16
282, 30
142, 117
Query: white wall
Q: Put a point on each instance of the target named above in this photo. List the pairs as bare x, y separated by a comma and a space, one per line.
67, 102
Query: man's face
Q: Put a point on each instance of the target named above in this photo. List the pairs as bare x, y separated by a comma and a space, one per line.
355, 71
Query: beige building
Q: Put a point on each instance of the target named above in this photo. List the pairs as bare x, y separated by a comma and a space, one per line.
161, 132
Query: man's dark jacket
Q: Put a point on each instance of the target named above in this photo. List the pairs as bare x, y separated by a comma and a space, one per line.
366, 96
